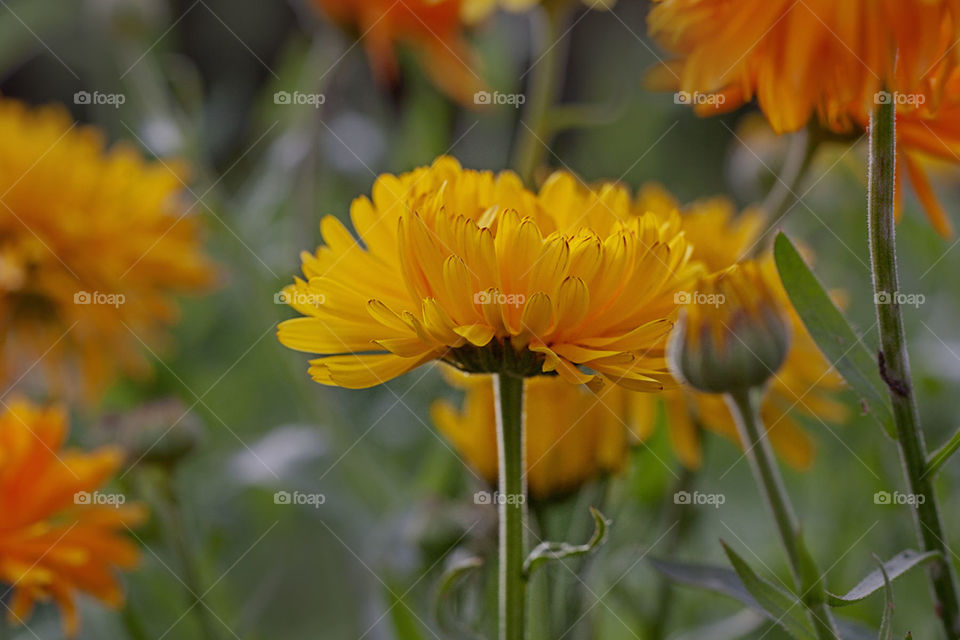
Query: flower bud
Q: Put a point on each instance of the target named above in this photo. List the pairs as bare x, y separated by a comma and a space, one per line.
732, 334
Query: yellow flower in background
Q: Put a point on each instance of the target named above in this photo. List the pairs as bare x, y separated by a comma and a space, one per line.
92, 245
573, 434
471, 268
58, 537
802, 58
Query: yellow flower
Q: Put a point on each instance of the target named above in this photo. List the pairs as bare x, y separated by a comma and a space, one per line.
55, 538
573, 434
92, 244
471, 268
801, 58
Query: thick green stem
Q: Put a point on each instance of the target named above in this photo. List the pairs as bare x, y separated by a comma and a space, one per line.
743, 405
895, 366
512, 506
535, 131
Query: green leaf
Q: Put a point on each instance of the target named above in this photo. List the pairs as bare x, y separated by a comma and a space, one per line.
894, 568
832, 333
941, 455
547, 551
886, 623
404, 622
788, 612
725, 582
456, 572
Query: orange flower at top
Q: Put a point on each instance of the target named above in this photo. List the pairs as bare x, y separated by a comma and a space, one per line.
798, 58
55, 539
432, 28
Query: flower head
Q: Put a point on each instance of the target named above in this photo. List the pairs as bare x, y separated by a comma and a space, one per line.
573, 434
732, 334
434, 30
56, 539
802, 58
92, 245
470, 267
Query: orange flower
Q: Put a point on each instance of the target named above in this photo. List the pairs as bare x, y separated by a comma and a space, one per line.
56, 536
833, 59
432, 28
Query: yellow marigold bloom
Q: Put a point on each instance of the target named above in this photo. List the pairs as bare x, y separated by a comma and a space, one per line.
54, 540
801, 58
470, 267
573, 434
92, 244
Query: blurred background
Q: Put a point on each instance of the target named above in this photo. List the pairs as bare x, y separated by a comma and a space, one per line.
199, 79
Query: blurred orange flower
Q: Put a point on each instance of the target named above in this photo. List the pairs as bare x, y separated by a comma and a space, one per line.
434, 29
56, 537
832, 59
92, 245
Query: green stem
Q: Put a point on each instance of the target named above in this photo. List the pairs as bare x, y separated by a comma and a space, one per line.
743, 405
895, 365
512, 505
177, 533
534, 131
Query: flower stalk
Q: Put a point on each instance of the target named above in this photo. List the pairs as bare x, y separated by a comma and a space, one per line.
743, 406
512, 506
895, 366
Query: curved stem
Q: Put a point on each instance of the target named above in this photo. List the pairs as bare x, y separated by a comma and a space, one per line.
895, 365
743, 405
535, 131
511, 505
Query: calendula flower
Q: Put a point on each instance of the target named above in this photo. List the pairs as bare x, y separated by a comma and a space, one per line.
92, 245
835, 60
434, 30
573, 435
57, 536
801, 58
471, 268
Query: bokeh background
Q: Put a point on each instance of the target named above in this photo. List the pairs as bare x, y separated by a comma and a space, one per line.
199, 78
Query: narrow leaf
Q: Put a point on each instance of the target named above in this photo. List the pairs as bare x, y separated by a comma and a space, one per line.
941, 455
547, 551
788, 612
725, 582
832, 333
894, 568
